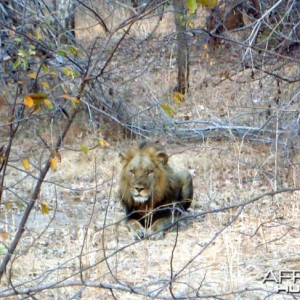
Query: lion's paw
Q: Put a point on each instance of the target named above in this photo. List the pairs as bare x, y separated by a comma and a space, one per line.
152, 235
139, 234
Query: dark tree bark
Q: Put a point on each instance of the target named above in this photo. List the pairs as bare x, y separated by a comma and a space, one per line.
66, 28
182, 57
70, 19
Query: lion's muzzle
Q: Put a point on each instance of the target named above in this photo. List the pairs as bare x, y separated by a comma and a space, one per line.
140, 199
140, 194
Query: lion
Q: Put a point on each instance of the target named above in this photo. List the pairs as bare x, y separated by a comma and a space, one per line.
151, 192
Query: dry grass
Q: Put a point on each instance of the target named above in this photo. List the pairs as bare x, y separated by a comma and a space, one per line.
213, 256
221, 252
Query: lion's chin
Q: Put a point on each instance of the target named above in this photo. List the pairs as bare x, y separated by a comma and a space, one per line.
141, 199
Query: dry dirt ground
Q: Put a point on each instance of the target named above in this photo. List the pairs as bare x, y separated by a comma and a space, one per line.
224, 253
217, 253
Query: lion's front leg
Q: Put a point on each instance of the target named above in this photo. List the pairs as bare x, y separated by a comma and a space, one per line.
136, 229
157, 229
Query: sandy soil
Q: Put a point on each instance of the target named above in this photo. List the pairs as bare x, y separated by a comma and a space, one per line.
81, 249
222, 252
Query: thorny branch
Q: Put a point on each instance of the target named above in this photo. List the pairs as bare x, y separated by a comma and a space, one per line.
198, 130
136, 289
34, 196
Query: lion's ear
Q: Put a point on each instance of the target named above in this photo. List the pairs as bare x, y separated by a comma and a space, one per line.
162, 157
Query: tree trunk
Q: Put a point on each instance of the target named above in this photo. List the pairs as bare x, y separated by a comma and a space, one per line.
182, 57
67, 15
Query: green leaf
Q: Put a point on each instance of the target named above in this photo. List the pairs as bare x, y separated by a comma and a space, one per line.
21, 53
32, 52
16, 64
168, 109
19, 204
62, 53
208, 3
1, 250
191, 5
24, 62
66, 71
45, 68
69, 72
48, 104
84, 148
73, 50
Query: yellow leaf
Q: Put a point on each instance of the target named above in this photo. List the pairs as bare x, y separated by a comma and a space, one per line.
84, 148
28, 102
38, 35
168, 109
38, 96
36, 100
26, 164
178, 97
103, 143
67, 97
208, 3
7, 206
3, 235
45, 84
225, 74
191, 24
207, 56
52, 73
74, 100
191, 5
48, 104
58, 156
53, 164
44, 208
32, 75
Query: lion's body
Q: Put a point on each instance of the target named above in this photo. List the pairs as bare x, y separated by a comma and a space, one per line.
149, 189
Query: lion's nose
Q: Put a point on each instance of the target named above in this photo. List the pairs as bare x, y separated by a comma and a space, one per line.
139, 188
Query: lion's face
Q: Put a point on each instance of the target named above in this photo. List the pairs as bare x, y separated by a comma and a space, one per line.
143, 173
141, 178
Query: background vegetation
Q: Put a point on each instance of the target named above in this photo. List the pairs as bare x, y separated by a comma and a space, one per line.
215, 82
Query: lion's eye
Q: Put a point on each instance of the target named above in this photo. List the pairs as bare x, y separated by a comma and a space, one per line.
131, 171
150, 172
